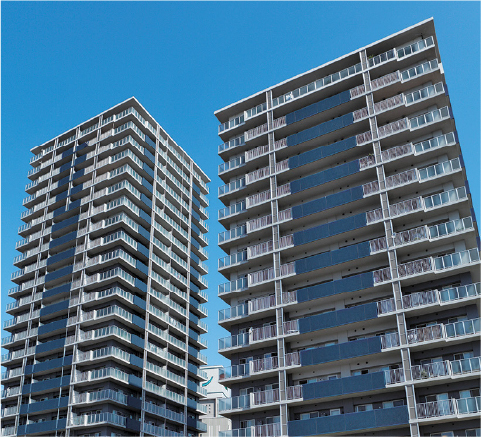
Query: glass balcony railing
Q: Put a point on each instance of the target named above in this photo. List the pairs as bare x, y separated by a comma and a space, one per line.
461, 292
233, 286
239, 161
424, 93
430, 370
259, 109
381, 59
233, 312
231, 210
233, 122
448, 139
265, 397
232, 234
318, 84
429, 117
447, 197
233, 342
451, 227
235, 142
439, 169
255, 132
236, 371
456, 259
234, 403
235, 258
389, 340
466, 365
415, 47
420, 69
232, 186
449, 407
462, 328
263, 333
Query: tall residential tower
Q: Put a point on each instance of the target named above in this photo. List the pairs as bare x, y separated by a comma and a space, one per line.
107, 318
352, 249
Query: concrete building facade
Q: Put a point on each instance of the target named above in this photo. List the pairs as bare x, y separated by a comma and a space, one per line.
106, 334
352, 252
215, 422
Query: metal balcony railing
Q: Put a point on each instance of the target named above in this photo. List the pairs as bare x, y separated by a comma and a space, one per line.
265, 397
261, 303
263, 333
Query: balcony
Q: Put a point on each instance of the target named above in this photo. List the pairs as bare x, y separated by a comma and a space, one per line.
233, 313
97, 396
233, 286
385, 80
232, 186
233, 342
415, 47
232, 210
449, 407
318, 84
259, 366
262, 333
110, 418
232, 234
433, 232
258, 223
266, 275
424, 265
448, 139
231, 260
232, 164
440, 169
236, 121
382, 58
261, 303
267, 430
429, 118
234, 403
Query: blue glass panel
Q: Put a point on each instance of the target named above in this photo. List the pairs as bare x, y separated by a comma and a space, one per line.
145, 216
61, 256
53, 326
132, 424
137, 341
79, 160
70, 221
146, 200
138, 321
50, 309
139, 302
341, 351
141, 285
135, 380
65, 288
325, 176
324, 203
331, 258
136, 361
59, 273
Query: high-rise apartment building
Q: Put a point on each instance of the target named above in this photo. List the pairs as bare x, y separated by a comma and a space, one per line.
107, 318
352, 251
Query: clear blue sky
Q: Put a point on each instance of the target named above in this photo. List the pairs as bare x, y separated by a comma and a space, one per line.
64, 62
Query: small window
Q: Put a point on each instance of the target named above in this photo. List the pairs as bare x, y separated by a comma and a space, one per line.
365, 407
